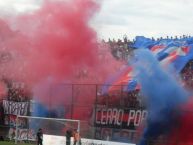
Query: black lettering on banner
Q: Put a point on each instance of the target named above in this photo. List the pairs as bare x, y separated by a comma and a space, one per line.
23, 108
15, 108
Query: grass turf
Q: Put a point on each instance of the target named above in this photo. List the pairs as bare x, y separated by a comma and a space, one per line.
12, 143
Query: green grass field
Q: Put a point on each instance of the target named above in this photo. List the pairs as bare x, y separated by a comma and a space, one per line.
12, 143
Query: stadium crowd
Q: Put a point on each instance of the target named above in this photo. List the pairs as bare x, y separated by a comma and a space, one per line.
187, 75
121, 50
16, 91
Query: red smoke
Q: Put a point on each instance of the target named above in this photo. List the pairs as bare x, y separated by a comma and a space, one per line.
3, 90
58, 38
55, 43
183, 133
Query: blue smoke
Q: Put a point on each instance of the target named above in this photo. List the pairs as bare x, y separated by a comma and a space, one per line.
40, 110
162, 93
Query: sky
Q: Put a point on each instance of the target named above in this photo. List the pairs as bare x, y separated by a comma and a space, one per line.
117, 18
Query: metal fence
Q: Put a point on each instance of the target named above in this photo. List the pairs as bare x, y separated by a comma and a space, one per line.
85, 101
106, 112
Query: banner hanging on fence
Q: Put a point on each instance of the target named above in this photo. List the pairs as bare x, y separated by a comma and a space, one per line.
23, 134
10, 120
15, 108
119, 118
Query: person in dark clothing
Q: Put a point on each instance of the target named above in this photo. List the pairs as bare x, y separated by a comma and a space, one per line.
68, 137
40, 136
1, 138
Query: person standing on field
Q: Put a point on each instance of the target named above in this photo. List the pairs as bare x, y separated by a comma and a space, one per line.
77, 138
68, 137
40, 137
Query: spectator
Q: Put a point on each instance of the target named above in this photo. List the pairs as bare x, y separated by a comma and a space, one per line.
1, 138
68, 137
39, 137
77, 138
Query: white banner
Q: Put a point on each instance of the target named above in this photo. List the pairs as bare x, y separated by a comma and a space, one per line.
61, 140
15, 108
26, 134
23, 134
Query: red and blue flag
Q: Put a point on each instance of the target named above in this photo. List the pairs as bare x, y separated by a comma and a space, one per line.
176, 53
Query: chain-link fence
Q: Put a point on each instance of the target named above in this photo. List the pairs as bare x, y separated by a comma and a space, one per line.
106, 112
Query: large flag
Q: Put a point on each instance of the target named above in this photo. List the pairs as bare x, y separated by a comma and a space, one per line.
143, 42
122, 81
176, 53
126, 82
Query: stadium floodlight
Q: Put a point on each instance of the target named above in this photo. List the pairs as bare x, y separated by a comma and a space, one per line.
26, 127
